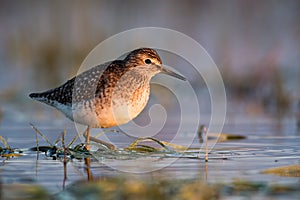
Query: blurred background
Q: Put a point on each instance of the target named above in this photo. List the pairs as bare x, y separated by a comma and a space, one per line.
255, 44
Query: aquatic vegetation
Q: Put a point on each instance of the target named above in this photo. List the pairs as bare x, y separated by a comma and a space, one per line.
223, 137
7, 151
60, 152
103, 148
23, 191
127, 187
139, 148
289, 171
240, 186
132, 188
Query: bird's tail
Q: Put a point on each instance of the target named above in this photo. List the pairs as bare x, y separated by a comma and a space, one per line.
42, 97
35, 95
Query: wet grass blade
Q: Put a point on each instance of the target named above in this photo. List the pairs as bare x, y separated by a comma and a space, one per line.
133, 145
73, 140
44, 137
4, 142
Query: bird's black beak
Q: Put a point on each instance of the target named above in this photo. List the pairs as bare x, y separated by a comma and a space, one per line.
171, 73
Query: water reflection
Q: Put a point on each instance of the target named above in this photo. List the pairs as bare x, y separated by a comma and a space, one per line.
87, 162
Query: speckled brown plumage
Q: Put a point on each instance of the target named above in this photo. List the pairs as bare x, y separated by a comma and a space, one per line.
109, 94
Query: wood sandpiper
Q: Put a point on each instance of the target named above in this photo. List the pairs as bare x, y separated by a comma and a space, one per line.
109, 94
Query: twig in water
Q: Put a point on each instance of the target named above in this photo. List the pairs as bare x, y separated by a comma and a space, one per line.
63, 145
37, 143
44, 137
203, 131
72, 141
87, 138
65, 157
206, 144
200, 133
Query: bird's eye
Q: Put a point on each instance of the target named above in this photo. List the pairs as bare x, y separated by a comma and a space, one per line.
148, 61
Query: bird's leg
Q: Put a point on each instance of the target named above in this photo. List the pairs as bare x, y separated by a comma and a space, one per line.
87, 138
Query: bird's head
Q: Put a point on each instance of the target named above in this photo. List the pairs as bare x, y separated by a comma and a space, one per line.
148, 61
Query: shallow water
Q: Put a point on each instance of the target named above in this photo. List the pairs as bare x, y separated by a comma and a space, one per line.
267, 144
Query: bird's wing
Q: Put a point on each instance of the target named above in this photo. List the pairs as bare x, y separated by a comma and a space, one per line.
84, 86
